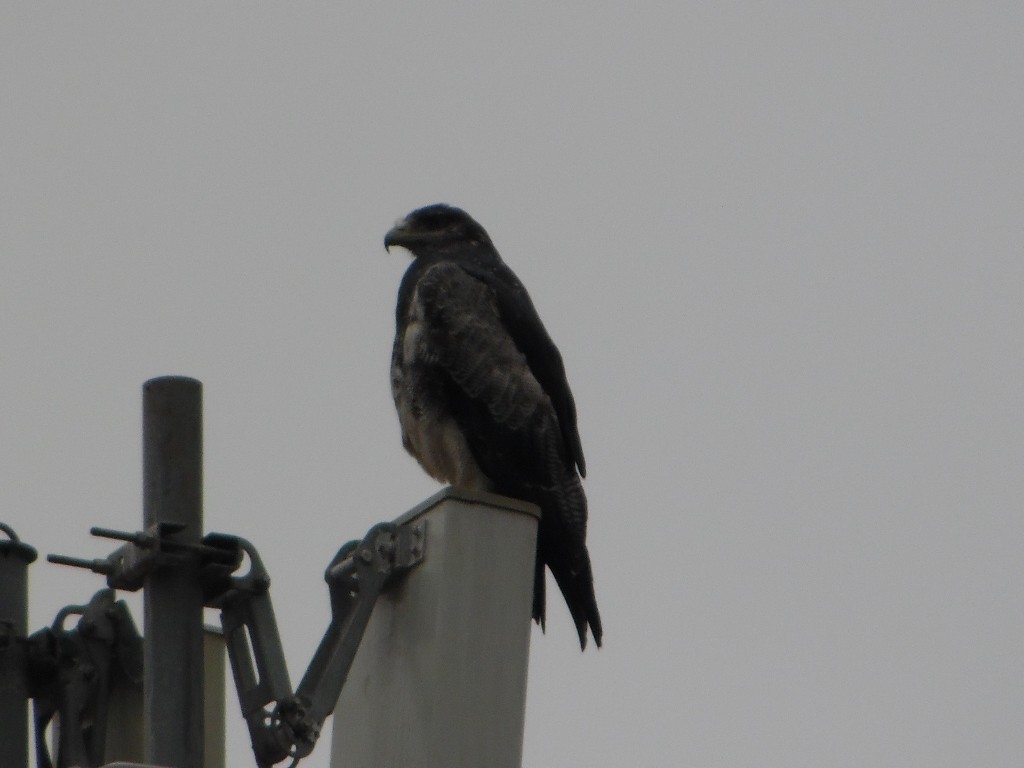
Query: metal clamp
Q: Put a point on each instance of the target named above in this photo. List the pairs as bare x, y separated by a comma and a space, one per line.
127, 567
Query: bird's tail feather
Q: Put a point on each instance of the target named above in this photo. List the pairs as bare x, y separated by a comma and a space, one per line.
539, 599
576, 581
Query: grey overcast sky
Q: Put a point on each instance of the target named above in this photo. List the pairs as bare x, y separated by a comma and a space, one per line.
781, 246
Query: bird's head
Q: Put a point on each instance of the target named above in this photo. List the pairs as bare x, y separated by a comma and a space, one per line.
435, 230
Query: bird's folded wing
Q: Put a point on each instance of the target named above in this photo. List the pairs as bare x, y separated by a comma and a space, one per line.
464, 334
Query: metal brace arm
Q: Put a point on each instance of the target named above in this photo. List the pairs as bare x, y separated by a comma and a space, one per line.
283, 724
73, 672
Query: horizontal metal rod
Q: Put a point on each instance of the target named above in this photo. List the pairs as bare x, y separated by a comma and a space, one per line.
96, 566
110, 533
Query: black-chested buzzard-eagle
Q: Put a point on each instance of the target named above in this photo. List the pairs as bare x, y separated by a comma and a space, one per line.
482, 396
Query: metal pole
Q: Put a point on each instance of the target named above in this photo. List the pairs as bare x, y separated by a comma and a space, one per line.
14, 559
173, 648
439, 680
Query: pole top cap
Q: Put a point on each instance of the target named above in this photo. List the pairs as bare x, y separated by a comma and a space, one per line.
13, 546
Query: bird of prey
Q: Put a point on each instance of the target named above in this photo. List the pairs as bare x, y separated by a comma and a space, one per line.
482, 396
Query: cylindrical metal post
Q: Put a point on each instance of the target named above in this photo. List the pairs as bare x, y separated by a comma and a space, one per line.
173, 647
14, 560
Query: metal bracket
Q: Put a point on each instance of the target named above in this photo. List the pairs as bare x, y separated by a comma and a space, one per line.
72, 672
356, 577
283, 724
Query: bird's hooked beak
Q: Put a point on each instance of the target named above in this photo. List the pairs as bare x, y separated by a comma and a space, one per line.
398, 235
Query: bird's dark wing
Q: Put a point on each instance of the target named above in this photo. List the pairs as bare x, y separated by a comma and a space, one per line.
493, 394
523, 324
509, 422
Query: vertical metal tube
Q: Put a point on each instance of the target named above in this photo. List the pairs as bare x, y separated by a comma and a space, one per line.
14, 560
173, 647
